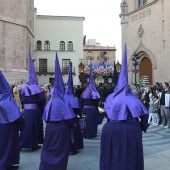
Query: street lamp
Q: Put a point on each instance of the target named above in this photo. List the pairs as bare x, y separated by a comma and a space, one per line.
81, 71
81, 67
135, 62
118, 67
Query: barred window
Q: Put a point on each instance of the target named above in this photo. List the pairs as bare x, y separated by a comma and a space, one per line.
142, 3
70, 46
65, 65
39, 45
43, 65
47, 45
62, 46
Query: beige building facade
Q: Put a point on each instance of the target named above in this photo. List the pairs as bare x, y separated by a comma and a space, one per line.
16, 38
92, 50
146, 31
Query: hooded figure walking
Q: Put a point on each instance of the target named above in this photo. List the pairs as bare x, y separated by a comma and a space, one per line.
33, 102
74, 101
59, 116
121, 140
10, 125
89, 101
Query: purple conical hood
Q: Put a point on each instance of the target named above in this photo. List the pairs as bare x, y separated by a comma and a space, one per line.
32, 77
5, 89
59, 88
58, 108
32, 87
70, 89
8, 108
122, 102
74, 101
90, 92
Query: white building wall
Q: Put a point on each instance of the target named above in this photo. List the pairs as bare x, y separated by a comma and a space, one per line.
56, 29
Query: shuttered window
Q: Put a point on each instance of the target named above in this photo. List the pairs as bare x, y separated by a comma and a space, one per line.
43, 65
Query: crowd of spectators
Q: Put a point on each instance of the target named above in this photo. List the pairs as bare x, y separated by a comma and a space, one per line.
156, 98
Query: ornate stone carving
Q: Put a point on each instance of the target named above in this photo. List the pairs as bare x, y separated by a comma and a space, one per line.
140, 31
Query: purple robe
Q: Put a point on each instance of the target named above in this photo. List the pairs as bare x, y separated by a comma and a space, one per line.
9, 144
32, 135
78, 137
90, 110
121, 144
56, 147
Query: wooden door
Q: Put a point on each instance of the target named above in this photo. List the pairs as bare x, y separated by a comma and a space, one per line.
146, 69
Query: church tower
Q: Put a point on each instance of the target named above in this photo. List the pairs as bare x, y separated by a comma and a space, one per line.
16, 38
146, 31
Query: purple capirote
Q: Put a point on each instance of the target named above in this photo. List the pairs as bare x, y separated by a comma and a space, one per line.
74, 101
119, 103
90, 92
31, 87
9, 111
58, 107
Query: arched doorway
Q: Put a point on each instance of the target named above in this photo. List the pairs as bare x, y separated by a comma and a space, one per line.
146, 69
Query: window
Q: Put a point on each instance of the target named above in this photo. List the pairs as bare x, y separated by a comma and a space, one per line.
62, 46
51, 81
47, 45
70, 46
39, 45
65, 66
142, 3
43, 65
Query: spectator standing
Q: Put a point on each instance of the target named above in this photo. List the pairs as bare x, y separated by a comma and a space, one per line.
165, 109
156, 109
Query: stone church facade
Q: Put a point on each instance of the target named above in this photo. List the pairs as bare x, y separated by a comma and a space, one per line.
146, 31
16, 38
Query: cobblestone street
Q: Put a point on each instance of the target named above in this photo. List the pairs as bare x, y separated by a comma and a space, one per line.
156, 152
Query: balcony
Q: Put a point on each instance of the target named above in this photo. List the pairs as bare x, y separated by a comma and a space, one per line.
51, 71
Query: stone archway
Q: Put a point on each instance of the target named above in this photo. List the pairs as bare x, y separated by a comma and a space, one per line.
145, 56
146, 69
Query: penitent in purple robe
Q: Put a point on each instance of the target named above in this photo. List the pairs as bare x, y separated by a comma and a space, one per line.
77, 144
121, 140
59, 116
10, 123
32, 134
9, 144
33, 102
89, 104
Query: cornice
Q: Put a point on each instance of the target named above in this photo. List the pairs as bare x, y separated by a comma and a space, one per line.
17, 23
99, 49
50, 17
139, 9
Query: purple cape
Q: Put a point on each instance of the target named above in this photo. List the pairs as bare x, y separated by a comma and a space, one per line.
90, 92
30, 89
121, 102
9, 111
58, 107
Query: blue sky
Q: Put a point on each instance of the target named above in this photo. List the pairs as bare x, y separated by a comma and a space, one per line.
102, 20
